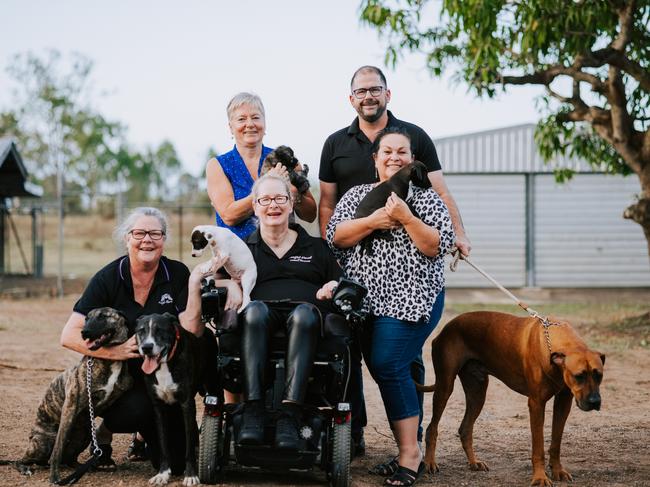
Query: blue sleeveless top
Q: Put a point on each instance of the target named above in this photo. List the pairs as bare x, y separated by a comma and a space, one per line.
234, 168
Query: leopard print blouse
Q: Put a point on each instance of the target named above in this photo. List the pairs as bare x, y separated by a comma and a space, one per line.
402, 282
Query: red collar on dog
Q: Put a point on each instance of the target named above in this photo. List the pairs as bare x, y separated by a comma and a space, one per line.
178, 338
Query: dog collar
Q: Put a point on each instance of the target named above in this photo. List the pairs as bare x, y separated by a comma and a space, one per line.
178, 338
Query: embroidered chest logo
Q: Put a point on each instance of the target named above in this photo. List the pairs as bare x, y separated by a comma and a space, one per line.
300, 258
166, 299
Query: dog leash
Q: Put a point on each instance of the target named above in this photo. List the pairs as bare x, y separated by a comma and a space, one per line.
453, 265
97, 451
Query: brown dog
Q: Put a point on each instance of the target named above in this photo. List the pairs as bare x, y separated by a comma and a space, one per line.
515, 351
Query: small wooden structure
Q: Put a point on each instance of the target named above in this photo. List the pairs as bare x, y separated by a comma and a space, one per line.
13, 183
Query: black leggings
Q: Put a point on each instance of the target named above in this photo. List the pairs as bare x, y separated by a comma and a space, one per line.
259, 322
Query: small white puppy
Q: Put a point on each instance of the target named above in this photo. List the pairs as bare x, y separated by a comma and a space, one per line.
228, 251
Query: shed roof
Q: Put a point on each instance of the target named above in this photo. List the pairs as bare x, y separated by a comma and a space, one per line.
504, 150
13, 175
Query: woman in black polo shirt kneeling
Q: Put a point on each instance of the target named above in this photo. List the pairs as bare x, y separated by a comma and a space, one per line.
296, 273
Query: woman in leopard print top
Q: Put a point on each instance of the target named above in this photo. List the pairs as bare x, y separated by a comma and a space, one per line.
405, 282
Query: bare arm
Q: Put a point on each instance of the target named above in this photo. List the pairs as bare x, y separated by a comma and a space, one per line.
222, 197
439, 186
326, 205
71, 339
351, 232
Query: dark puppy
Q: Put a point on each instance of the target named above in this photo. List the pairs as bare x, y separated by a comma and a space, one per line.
173, 366
62, 428
398, 183
284, 155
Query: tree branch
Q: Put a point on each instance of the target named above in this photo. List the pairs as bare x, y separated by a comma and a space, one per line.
625, 22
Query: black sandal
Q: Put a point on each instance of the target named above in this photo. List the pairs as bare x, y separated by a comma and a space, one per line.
385, 469
137, 451
405, 477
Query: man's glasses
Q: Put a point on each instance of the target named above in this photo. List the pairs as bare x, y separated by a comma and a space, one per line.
140, 234
279, 200
373, 90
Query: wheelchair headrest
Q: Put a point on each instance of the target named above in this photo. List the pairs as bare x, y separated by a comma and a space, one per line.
348, 296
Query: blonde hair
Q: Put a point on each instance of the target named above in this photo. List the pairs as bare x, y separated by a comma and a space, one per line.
270, 177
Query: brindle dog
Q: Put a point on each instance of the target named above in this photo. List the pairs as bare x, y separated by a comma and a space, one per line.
62, 431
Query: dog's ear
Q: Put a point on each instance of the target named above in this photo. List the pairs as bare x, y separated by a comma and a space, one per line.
557, 358
602, 358
419, 175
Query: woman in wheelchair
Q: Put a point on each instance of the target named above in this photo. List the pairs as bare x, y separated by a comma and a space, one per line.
296, 274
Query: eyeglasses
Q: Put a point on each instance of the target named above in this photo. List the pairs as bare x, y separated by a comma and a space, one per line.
140, 234
361, 92
279, 200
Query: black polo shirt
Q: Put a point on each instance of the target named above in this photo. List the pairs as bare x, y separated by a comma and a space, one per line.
302, 271
347, 160
112, 286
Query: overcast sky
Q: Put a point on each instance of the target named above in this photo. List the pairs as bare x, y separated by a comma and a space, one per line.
172, 66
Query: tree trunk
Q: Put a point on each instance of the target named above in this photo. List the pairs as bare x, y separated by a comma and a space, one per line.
640, 211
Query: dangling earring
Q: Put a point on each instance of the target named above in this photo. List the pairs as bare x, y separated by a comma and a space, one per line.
376, 173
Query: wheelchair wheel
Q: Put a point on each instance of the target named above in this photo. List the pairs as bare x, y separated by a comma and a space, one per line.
341, 438
211, 449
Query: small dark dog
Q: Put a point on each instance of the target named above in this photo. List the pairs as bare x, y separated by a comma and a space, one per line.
173, 365
62, 429
398, 183
284, 155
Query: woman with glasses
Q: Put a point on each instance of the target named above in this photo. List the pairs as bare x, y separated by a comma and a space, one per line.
139, 283
296, 273
231, 175
405, 281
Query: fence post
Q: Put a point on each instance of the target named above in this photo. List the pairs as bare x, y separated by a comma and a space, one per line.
180, 232
37, 242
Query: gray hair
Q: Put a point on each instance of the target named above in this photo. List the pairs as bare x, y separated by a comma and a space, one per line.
270, 177
123, 229
244, 98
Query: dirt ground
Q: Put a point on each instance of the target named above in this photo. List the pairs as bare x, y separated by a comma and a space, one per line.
605, 448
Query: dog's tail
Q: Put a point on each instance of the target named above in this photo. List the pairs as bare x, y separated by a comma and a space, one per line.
422, 388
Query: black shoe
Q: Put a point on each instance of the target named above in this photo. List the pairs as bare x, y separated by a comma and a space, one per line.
251, 431
358, 444
286, 431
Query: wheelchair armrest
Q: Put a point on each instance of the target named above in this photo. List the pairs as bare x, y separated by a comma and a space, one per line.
336, 325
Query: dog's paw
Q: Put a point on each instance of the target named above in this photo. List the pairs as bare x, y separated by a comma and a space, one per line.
162, 478
541, 481
431, 466
479, 466
561, 475
191, 481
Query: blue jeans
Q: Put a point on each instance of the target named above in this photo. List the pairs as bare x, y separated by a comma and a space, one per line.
395, 345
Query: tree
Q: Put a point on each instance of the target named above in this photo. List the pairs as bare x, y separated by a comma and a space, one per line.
592, 57
55, 125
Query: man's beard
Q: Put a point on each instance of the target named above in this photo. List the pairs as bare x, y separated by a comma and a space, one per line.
381, 109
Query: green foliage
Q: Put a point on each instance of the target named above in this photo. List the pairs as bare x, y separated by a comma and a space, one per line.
492, 44
55, 124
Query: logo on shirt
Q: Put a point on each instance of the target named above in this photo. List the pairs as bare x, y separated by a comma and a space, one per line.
165, 299
300, 258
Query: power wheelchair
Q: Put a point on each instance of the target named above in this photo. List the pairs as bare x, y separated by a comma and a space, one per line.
325, 425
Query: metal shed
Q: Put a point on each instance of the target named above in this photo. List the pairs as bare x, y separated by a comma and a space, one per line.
13, 183
529, 231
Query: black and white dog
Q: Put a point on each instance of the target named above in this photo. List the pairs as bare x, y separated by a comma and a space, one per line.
398, 183
173, 366
62, 431
229, 252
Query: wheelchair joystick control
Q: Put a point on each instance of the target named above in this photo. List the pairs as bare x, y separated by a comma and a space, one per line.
348, 299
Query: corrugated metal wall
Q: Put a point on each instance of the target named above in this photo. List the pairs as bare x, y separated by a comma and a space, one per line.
494, 214
579, 237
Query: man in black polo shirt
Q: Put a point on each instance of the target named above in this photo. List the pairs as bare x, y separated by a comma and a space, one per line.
346, 161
